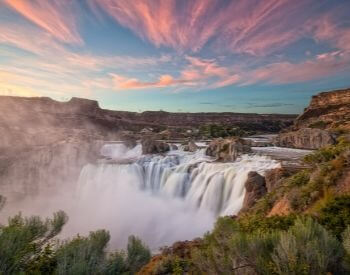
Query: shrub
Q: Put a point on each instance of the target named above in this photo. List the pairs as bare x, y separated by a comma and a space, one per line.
346, 245
335, 216
254, 223
299, 179
82, 255
22, 242
137, 254
307, 248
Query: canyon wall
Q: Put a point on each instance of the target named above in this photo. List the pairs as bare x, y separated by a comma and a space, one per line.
45, 143
327, 110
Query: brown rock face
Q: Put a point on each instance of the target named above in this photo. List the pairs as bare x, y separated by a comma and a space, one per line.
227, 149
327, 110
255, 188
150, 146
305, 138
191, 146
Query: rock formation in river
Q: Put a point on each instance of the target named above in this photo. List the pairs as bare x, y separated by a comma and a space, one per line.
227, 149
150, 146
255, 186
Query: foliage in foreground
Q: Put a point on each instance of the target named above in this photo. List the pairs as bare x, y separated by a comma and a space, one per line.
27, 246
304, 248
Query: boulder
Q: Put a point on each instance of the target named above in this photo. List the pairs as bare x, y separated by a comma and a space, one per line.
305, 138
255, 188
227, 149
191, 146
174, 147
150, 146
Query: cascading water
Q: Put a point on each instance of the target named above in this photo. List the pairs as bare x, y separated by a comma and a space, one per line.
163, 198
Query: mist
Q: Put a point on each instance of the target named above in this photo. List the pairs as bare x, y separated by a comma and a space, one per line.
159, 198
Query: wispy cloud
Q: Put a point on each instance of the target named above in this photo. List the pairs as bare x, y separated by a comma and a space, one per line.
322, 65
57, 17
255, 27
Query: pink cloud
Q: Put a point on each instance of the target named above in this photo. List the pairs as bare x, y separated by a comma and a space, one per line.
198, 73
323, 65
325, 29
57, 17
255, 27
124, 83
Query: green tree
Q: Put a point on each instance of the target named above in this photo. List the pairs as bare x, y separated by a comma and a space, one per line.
23, 240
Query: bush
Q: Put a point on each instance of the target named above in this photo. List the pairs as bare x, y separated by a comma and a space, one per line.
138, 254
307, 248
346, 245
83, 255
24, 241
254, 223
335, 216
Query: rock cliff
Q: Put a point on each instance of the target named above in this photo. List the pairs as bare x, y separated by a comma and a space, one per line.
327, 110
305, 138
45, 142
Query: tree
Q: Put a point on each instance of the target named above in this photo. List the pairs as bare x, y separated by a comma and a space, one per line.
23, 240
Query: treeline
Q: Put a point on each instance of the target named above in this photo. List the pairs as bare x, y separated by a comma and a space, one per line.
29, 246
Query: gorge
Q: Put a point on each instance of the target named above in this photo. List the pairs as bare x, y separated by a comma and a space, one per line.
97, 167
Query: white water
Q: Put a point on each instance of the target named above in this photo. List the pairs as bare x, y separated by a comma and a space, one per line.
161, 199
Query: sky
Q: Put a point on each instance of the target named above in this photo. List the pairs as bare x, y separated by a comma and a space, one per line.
256, 56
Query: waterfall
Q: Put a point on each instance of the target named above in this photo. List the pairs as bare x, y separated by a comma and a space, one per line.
164, 198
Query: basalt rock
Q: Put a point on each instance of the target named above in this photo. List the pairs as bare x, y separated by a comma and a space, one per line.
255, 189
227, 149
191, 146
150, 146
305, 138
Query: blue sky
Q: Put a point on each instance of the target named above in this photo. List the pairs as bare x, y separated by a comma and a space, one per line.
259, 56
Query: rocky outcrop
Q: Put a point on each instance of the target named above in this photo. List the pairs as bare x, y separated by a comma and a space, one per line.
327, 110
305, 138
150, 146
255, 188
191, 146
227, 149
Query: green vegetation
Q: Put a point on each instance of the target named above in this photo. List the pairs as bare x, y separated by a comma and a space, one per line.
216, 131
27, 246
335, 215
300, 247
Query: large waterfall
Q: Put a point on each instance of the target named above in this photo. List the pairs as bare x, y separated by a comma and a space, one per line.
162, 198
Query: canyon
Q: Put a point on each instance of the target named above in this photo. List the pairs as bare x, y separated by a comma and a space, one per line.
83, 159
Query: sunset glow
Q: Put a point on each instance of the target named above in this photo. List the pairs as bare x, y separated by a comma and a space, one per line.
198, 55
